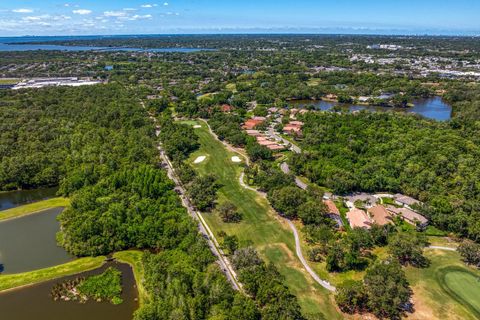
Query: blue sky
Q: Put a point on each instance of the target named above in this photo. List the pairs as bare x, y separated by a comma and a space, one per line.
87, 17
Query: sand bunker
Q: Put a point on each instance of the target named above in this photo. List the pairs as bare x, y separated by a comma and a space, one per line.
197, 126
236, 159
199, 159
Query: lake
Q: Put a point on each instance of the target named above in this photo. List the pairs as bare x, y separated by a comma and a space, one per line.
32, 47
34, 302
12, 199
433, 108
28, 243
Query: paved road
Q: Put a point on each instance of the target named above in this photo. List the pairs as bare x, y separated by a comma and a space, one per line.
298, 248
203, 228
293, 146
442, 248
298, 182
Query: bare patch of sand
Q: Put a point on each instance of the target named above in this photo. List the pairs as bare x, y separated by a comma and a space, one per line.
199, 159
236, 159
197, 126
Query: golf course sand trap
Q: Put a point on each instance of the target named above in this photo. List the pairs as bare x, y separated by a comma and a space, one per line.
236, 159
199, 159
197, 126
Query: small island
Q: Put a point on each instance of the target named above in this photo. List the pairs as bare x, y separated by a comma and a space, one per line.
103, 287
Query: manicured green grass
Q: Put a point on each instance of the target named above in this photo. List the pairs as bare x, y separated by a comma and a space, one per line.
70, 268
432, 299
463, 286
260, 226
134, 259
33, 208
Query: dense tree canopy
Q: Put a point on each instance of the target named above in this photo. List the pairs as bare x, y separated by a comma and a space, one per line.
437, 163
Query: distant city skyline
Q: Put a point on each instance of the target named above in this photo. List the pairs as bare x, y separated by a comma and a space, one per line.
87, 17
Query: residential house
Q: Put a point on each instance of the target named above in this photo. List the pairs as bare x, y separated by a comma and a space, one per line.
294, 128
380, 215
358, 219
404, 200
409, 216
333, 212
250, 124
368, 199
226, 108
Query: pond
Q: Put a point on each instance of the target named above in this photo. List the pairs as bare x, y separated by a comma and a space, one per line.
434, 108
35, 302
14, 199
28, 243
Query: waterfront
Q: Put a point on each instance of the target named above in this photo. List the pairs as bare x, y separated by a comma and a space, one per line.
35, 302
28, 243
12, 199
434, 108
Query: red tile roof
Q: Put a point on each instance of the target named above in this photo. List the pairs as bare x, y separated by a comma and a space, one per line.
332, 208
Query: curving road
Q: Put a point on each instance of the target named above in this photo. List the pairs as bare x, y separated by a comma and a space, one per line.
298, 247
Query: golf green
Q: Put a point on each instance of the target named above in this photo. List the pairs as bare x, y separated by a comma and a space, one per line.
462, 285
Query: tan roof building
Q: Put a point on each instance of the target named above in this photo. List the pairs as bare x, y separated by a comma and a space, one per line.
358, 219
380, 215
332, 208
408, 215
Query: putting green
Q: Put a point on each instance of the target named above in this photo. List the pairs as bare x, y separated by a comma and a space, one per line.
463, 286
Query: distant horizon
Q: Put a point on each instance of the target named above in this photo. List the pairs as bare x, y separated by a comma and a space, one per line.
466, 35
137, 17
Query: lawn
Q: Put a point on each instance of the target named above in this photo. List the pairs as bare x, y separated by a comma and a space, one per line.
33, 208
447, 289
28, 278
134, 259
260, 227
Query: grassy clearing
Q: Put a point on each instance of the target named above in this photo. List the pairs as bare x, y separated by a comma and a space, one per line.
260, 226
70, 268
33, 208
9, 81
231, 87
134, 259
431, 299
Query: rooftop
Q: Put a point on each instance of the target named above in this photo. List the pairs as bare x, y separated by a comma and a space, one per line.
358, 219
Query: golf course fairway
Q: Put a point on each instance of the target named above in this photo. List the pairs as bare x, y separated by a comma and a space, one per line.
261, 227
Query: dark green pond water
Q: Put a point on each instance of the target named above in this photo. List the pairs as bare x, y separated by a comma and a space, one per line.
35, 302
14, 199
29, 243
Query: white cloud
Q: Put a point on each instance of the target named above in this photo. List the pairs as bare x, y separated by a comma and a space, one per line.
32, 18
129, 9
114, 14
165, 3
22, 10
82, 11
139, 17
149, 5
